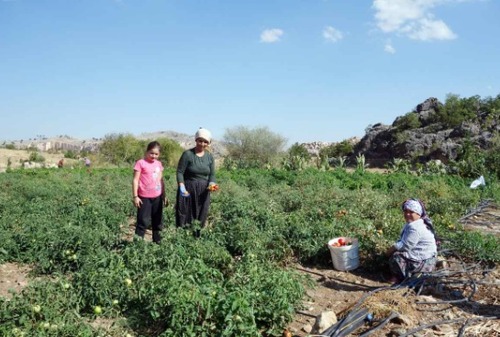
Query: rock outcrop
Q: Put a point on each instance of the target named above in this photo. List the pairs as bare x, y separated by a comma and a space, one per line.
430, 141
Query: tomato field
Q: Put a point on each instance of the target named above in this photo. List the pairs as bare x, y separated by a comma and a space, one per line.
70, 226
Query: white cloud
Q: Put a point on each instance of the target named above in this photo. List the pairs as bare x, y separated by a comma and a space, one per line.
428, 29
332, 35
389, 48
271, 35
412, 18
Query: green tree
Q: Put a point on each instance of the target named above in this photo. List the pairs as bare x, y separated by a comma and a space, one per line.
36, 157
121, 148
170, 151
257, 147
409, 121
457, 110
297, 159
70, 154
342, 149
299, 150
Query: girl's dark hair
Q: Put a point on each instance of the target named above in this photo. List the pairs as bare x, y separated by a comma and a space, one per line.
153, 145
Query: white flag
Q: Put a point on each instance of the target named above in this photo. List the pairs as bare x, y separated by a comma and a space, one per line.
478, 182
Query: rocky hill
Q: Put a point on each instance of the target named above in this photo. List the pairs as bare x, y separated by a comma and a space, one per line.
418, 136
65, 143
428, 138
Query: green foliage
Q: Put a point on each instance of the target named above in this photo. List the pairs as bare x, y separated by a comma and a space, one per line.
170, 151
299, 150
482, 247
409, 121
36, 157
70, 154
338, 162
297, 159
400, 165
342, 149
125, 149
294, 163
457, 110
72, 227
9, 146
257, 147
121, 148
492, 161
361, 163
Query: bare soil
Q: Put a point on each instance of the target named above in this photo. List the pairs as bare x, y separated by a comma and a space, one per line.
13, 278
17, 157
340, 291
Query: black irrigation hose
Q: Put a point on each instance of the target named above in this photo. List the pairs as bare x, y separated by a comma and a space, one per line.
440, 322
343, 324
354, 323
338, 326
483, 204
405, 283
351, 321
380, 325
462, 329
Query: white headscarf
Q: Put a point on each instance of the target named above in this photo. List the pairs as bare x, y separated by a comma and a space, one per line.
203, 133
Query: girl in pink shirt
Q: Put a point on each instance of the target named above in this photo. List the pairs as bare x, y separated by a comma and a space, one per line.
148, 192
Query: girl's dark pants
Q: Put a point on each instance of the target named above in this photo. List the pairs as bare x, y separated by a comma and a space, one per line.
150, 213
194, 207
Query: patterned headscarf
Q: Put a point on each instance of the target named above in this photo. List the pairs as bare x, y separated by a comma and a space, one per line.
417, 206
413, 205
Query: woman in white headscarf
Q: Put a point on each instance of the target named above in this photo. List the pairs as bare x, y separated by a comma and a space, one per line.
416, 249
196, 180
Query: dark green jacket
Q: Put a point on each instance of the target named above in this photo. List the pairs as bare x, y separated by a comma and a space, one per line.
192, 167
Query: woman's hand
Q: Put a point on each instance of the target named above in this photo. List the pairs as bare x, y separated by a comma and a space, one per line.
183, 191
213, 187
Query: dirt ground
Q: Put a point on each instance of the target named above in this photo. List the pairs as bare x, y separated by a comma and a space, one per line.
17, 156
339, 291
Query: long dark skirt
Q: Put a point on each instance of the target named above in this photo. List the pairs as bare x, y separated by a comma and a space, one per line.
402, 267
194, 207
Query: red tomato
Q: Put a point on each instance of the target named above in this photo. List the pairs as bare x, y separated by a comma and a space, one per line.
341, 241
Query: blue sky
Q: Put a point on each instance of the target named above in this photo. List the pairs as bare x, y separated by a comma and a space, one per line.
309, 70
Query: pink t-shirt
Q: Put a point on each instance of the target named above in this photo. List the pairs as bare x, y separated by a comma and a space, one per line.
150, 180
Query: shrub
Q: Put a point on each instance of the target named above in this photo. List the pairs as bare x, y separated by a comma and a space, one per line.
299, 150
122, 149
342, 149
10, 146
256, 147
36, 157
70, 154
409, 121
457, 110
